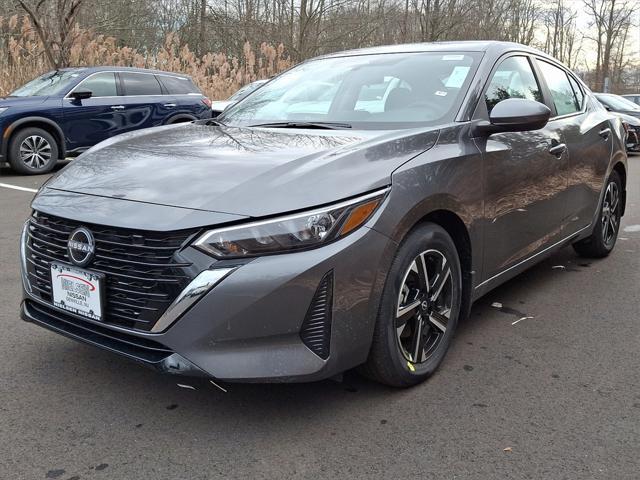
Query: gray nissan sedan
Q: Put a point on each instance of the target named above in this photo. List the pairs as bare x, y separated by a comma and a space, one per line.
346, 214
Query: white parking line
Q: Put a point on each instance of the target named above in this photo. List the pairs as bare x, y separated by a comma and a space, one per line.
15, 187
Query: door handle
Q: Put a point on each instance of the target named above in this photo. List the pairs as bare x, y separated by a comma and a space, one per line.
558, 150
117, 107
169, 105
605, 133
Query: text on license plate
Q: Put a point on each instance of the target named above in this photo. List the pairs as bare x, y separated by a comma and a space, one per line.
77, 290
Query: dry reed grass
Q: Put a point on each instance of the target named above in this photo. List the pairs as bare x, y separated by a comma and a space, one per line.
218, 75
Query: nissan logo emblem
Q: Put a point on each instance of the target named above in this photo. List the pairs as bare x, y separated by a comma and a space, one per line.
81, 247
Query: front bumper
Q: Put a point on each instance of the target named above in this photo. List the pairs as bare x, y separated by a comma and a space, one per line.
247, 327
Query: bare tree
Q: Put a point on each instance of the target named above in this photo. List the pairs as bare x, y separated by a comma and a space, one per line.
54, 22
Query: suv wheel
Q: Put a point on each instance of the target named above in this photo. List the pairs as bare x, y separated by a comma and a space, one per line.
421, 303
33, 151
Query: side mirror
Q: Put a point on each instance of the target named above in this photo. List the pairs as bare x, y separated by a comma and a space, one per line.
81, 94
516, 115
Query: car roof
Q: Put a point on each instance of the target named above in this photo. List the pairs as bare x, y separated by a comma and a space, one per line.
494, 47
108, 68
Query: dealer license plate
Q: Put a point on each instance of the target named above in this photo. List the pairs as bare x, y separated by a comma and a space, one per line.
77, 290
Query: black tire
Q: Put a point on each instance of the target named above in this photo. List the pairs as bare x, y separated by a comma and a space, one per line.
605, 232
389, 361
42, 142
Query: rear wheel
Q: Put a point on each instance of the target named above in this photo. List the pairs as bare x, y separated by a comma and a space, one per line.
605, 233
33, 151
421, 303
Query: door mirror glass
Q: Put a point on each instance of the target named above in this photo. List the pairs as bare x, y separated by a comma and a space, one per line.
81, 94
517, 115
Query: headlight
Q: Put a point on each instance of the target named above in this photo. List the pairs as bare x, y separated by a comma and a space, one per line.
3, 109
292, 232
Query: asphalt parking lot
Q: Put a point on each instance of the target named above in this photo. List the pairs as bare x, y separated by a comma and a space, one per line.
555, 396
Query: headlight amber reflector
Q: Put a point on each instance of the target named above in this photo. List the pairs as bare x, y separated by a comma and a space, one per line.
292, 232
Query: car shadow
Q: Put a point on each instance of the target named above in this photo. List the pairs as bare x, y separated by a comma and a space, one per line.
126, 382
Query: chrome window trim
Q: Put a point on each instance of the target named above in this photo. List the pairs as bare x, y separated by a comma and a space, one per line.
68, 97
568, 74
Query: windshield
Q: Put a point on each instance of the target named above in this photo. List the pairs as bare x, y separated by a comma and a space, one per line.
48, 84
385, 91
246, 90
617, 103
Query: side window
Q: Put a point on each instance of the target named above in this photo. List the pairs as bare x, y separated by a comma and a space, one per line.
578, 92
100, 85
561, 92
177, 85
140, 84
514, 78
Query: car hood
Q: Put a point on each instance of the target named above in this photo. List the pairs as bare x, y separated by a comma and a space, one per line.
21, 101
242, 171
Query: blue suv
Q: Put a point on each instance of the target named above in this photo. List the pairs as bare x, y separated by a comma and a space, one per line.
67, 111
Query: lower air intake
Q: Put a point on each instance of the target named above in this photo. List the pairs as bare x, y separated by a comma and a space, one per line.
316, 328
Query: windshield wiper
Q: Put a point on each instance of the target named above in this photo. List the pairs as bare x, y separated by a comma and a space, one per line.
318, 125
213, 121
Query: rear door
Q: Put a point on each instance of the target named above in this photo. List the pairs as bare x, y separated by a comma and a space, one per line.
87, 122
525, 174
589, 140
143, 103
186, 96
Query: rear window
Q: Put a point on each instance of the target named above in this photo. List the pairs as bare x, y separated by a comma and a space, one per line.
140, 84
178, 85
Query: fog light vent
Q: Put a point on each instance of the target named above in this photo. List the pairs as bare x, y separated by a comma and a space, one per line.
316, 328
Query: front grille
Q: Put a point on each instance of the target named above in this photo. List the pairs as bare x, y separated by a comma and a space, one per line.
316, 327
142, 276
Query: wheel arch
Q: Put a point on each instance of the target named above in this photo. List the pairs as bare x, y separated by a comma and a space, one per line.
622, 171
44, 123
453, 224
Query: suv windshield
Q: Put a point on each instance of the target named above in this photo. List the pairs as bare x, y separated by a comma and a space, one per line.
383, 91
48, 84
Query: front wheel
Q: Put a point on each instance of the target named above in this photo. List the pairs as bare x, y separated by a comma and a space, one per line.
419, 311
33, 151
605, 233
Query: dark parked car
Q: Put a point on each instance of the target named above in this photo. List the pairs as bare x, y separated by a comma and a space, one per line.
633, 97
618, 104
298, 236
218, 106
65, 112
629, 114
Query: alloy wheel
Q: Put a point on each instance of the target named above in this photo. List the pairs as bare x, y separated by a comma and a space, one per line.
610, 213
424, 306
35, 152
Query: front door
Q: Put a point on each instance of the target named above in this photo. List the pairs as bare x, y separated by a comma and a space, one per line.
525, 175
89, 121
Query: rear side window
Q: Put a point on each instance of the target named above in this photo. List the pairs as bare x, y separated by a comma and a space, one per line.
100, 85
177, 85
140, 84
561, 91
513, 78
